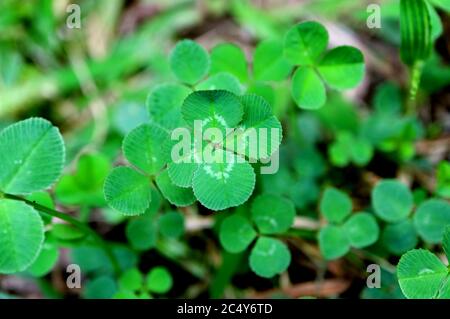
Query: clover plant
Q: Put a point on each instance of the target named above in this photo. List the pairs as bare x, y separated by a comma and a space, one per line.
344, 230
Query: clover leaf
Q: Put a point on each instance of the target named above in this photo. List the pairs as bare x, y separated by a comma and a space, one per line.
236, 233
269, 257
141, 232
189, 61
270, 214
22, 236
222, 81
164, 104
305, 43
32, 156
174, 194
127, 191
159, 280
308, 89
171, 224
392, 200
400, 237
224, 183
228, 57
340, 68
85, 185
344, 231
431, 218
422, 275
333, 242
142, 148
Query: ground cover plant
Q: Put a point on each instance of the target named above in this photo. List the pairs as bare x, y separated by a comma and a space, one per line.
192, 149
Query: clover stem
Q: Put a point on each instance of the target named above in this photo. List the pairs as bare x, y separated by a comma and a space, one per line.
80, 225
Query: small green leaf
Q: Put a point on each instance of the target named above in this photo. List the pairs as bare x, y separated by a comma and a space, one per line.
227, 57
269, 63
392, 200
260, 133
103, 287
159, 280
67, 232
225, 182
335, 205
446, 242
127, 191
32, 156
142, 148
141, 232
131, 280
399, 238
342, 67
362, 230
176, 195
171, 224
272, 214
236, 233
307, 89
420, 274
361, 151
218, 109
333, 242
164, 104
431, 219
305, 43
189, 61
85, 186
269, 257
415, 27
222, 81
22, 235
46, 260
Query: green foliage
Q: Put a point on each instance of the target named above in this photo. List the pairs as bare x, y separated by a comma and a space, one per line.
141, 232
340, 68
443, 179
269, 257
415, 31
32, 156
46, 260
127, 191
344, 230
271, 215
335, 205
22, 236
269, 64
422, 275
189, 61
400, 237
164, 104
431, 218
85, 185
227, 57
171, 224
392, 200
159, 280
350, 149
